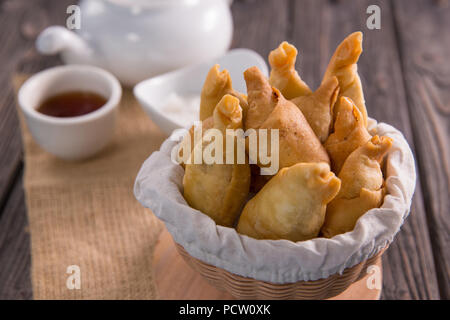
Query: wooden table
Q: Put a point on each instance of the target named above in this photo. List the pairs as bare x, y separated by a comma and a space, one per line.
405, 71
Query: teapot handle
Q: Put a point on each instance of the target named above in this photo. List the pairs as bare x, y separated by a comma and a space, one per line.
56, 39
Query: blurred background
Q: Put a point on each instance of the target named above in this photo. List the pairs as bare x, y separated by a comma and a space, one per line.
406, 79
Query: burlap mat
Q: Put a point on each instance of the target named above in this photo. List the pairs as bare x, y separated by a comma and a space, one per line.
85, 214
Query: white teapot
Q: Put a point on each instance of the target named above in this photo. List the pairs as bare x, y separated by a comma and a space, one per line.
138, 39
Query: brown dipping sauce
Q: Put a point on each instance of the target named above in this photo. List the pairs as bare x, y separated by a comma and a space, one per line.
71, 104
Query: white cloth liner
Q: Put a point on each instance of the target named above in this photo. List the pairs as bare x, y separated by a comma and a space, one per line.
159, 187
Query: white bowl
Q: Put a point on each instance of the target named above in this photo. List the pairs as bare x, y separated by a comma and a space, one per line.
152, 93
75, 137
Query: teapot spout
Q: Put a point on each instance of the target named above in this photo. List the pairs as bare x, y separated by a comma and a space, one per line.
57, 39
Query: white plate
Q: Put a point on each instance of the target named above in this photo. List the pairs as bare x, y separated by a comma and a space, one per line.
152, 93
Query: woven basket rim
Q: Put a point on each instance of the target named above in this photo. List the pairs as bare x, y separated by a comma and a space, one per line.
249, 288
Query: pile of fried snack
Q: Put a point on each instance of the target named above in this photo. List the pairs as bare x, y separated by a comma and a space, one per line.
330, 165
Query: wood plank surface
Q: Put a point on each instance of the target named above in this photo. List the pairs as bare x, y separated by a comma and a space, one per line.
10, 143
424, 44
260, 24
15, 257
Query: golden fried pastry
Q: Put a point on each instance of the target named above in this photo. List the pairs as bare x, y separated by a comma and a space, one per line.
219, 190
291, 205
260, 97
318, 107
268, 109
283, 75
218, 84
342, 213
361, 189
343, 66
349, 133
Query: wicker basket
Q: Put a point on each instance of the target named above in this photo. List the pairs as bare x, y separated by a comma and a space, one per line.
248, 288
157, 187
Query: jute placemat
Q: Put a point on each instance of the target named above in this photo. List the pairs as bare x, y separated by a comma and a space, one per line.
84, 214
